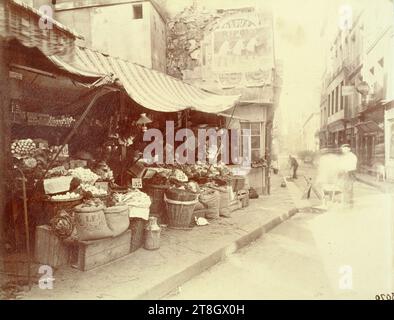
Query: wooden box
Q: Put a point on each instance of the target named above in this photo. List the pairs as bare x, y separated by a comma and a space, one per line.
95, 253
49, 248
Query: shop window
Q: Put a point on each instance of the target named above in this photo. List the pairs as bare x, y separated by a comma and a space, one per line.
137, 11
255, 132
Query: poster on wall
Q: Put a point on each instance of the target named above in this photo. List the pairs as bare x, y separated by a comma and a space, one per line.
242, 52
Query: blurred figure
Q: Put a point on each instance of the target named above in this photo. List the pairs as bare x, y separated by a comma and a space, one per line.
293, 163
347, 175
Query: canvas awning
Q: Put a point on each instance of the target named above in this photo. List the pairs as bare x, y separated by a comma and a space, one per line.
33, 29
369, 126
149, 88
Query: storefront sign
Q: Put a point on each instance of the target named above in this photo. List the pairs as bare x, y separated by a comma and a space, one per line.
15, 75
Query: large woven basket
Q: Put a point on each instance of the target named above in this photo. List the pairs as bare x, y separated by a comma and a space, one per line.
181, 195
180, 213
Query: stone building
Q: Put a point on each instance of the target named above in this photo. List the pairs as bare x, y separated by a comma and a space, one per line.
134, 30
231, 51
357, 87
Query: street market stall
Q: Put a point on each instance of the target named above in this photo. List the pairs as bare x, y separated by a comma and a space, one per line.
76, 128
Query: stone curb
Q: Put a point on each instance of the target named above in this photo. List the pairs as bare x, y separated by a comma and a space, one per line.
165, 287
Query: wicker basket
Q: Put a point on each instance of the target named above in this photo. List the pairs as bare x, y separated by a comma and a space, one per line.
180, 195
180, 213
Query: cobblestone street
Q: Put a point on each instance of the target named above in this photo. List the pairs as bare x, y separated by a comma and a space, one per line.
333, 255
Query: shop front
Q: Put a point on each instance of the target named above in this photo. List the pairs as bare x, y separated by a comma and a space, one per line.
78, 172
371, 138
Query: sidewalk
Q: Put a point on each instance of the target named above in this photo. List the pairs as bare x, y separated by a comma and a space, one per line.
386, 187
183, 254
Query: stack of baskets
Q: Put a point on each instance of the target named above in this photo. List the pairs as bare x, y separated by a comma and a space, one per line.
180, 207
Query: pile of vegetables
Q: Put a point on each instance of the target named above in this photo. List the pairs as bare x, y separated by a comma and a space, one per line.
66, 196
93, 191
23, 148
86, 176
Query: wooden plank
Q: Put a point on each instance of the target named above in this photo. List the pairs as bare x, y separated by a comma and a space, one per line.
92, 254
49, 249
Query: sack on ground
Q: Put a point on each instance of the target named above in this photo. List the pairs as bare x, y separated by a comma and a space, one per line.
211, 202
90, 223
117, 219
224, 200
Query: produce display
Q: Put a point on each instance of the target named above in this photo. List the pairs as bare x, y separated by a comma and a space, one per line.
179, 175
96, 192
62, 224
67, 196
135, 198
57, 172
104, 171
23, 147
86, 176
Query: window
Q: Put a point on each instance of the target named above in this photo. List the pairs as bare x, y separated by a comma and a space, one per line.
342, 97
381, 62
332, 102
372, 70
255, 137
137, 11
329, 104
336, 99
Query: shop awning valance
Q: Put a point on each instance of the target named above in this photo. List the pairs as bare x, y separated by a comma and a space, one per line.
33, 29
149, 88
369, 126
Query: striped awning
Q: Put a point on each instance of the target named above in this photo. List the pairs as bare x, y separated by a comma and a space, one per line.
35, 29
149, 88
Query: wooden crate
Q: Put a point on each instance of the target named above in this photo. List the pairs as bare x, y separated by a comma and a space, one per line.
95, 253
49, 248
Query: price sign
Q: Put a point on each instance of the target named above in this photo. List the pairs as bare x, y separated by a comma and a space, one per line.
136, 183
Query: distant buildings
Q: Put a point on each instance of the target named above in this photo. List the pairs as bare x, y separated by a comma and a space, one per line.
310, 133
357, 95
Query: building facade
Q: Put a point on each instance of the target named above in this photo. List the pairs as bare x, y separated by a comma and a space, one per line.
130, 29
310, 132
231, 52
356, 87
